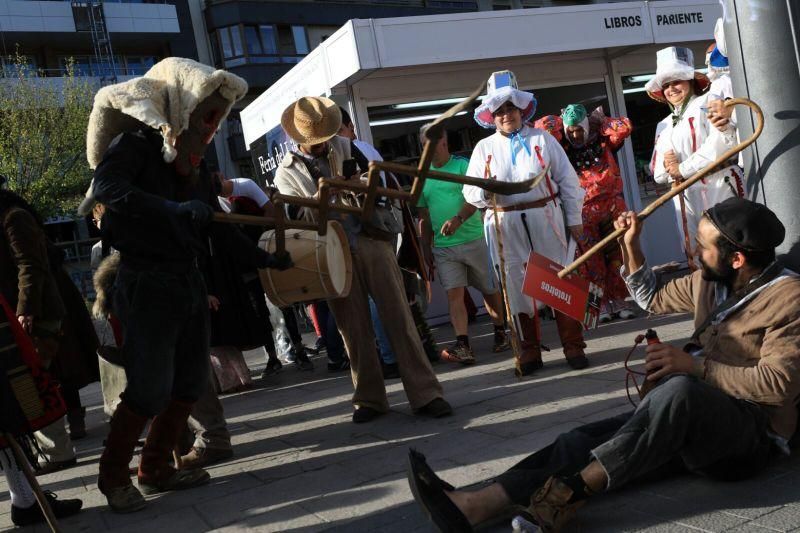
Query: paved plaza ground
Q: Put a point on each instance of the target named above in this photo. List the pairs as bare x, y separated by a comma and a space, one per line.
302, 465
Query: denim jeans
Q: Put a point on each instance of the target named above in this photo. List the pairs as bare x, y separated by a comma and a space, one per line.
384, 347
330, 333
683, 424
165, 347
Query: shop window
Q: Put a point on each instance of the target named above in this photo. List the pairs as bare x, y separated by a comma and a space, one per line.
236, 41
268, 39
645, 113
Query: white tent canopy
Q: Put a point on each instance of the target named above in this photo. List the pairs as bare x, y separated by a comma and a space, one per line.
381, 61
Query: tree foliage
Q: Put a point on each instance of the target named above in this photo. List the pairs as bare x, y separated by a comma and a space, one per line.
43, 136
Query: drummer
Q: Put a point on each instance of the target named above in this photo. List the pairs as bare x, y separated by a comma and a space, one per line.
313, 123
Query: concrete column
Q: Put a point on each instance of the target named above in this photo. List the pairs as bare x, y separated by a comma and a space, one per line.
762, 42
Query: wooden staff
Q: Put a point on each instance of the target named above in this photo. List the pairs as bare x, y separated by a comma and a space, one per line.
498, 235
644, 213
41, 499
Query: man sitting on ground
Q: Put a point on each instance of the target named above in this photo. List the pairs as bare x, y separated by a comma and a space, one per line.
721, 406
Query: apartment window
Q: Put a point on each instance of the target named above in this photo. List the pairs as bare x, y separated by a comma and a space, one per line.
253, 41
300, 40
138, 65
233, 53
268, 39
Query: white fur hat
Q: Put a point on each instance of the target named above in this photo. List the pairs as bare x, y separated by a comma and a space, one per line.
674, 63
502, 88
162, 99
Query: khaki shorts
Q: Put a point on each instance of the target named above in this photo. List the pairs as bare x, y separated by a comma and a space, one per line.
466, 265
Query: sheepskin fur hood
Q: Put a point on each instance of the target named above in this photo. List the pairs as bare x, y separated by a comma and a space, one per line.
162, 99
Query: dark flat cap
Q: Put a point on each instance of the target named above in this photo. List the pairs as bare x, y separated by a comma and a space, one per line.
749, 225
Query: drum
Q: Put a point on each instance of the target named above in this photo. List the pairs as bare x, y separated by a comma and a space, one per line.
323, 267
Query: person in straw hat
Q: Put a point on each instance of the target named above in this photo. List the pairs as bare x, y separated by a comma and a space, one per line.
313, 123
146, 141
529, 221
688, 140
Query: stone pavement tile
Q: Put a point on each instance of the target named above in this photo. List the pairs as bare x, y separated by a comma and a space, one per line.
401, 519
227, 509
376, 496
184, 519
284, 519
750, 527
787, 518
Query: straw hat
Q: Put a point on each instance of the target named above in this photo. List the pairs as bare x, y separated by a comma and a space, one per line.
311, 120
501, 88
675, 63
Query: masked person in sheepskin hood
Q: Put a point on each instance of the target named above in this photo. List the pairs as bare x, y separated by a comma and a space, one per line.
146, 141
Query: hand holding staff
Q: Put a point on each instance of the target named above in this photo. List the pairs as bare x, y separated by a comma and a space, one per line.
644, 213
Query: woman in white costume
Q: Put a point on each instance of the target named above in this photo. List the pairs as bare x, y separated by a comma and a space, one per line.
529, 221
687, 141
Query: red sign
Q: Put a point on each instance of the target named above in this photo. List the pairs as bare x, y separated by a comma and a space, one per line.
573, 295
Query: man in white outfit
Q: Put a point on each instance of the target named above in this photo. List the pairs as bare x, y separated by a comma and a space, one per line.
687, 141
534, 220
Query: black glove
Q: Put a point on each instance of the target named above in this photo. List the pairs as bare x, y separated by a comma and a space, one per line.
278, 261
200, 213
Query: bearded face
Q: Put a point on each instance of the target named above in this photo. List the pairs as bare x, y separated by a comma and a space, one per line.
203, 124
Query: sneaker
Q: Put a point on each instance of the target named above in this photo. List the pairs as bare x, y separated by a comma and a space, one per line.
459, 353
436, 408
273, 367
338, 366
202, 457
626, 314
26, 516
605, 317
501, 342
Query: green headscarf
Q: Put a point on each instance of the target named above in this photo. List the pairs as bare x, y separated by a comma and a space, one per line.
573, 115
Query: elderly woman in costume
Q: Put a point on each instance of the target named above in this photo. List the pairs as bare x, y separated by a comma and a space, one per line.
590, 142
146, 141
688, 140
531, 221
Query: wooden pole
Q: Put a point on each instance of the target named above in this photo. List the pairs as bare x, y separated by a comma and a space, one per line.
644, 213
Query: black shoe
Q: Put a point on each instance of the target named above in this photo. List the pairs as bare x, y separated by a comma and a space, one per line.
436, 408
526, 369
54, 466
365, 414
429, 492
390, 371
312, 351
578, 362
339, 366
303, 362
273, 367
33, 515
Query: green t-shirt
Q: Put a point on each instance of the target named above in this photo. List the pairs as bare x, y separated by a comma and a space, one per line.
444, 200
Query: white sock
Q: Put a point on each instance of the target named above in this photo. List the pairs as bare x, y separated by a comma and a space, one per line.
19, 488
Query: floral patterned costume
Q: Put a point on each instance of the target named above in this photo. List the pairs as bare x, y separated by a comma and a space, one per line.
599, 176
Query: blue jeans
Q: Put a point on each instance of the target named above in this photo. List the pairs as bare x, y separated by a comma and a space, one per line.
384, 348
330, 333
682, 425
165, 321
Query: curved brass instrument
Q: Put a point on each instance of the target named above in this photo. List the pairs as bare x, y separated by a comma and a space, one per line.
720, 161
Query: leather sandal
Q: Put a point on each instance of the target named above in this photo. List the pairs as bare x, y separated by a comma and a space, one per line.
429, 492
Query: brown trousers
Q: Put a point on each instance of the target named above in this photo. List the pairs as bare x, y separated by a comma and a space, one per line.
376, 274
